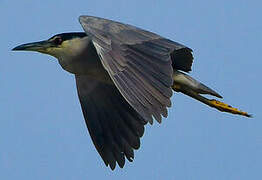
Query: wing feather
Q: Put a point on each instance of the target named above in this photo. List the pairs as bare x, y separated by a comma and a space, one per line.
114, 126
139, 63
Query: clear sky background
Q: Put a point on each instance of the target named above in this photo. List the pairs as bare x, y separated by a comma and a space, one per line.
42, 130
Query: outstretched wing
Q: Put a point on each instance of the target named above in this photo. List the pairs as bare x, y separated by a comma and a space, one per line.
114, 126
139, 63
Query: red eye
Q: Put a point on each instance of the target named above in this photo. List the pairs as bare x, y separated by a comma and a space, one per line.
58, 40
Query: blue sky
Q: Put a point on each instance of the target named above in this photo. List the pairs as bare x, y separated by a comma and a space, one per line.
42, 131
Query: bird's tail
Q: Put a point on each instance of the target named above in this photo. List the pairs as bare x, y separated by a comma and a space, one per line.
191, 87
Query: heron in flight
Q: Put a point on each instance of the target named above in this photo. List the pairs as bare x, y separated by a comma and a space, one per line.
124, 77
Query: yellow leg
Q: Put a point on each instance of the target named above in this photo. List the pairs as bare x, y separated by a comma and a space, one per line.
227, 108
210, 102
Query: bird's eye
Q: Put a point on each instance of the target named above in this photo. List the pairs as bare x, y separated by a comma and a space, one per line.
58, 40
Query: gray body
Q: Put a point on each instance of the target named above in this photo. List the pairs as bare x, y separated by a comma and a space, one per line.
124, 77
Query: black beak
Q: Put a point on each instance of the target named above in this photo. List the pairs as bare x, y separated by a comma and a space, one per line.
35, 46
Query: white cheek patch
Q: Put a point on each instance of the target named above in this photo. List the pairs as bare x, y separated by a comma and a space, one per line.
73, 47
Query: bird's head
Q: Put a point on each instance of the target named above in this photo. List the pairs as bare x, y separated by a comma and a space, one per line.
58, 46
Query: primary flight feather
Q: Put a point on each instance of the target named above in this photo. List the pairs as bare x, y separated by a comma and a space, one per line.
124, 76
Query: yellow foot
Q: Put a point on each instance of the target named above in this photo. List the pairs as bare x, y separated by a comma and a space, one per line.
227, 108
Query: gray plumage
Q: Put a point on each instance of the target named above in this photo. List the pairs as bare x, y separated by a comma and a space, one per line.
124, 77
140, 66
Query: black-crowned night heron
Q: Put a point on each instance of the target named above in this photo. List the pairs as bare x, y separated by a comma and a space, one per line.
124, 77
